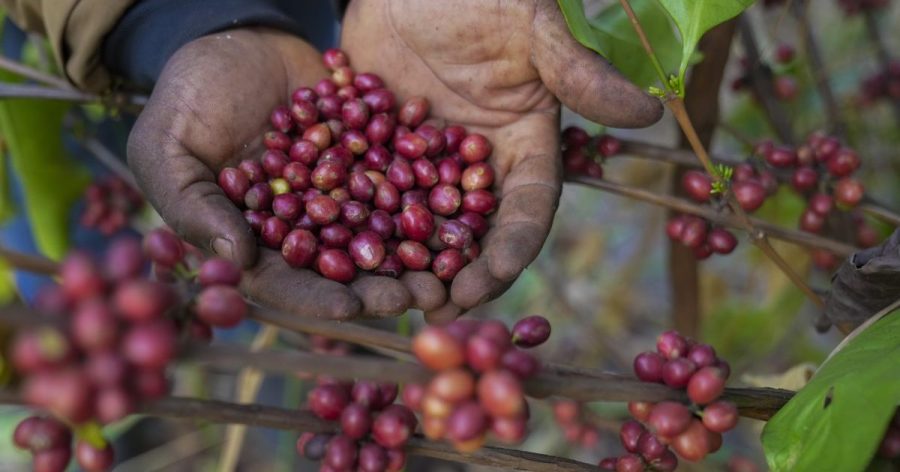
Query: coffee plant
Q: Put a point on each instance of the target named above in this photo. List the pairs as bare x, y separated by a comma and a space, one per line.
123, 345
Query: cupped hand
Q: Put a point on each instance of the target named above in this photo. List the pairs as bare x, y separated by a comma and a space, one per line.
500, 69
210, 109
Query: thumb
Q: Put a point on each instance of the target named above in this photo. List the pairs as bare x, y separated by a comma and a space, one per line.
583, 80
184, 192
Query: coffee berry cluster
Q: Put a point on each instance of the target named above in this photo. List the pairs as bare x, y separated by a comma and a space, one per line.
750, 188
582, 154
692, 431
784, 83
883, 85
373, 429
109, 203
477, 386
351, 182
107, 335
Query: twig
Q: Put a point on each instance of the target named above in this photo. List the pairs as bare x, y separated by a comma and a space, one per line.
762, 83
577, 384
8, 90
599, 387
34, 74
884, 57
28, 262
821, 77
642, 150
685, 206
110, 160
676, 104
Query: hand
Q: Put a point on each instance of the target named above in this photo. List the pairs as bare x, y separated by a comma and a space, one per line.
209, 109
500, 69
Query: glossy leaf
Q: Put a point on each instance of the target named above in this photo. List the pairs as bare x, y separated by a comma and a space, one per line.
695, 17
837, 421
51, 181
573, 11
618, 37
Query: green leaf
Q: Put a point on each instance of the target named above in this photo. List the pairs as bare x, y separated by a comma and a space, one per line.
695, 17
837, 421
51, 180
617, 36
573, 11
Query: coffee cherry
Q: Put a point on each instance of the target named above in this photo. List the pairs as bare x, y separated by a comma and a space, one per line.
94, 327
273, 232
749, 194
453, 385
336, 265
413, 112
340, 453
417, 222
531, 331
234, 183
52, 460
608, 463
150, 384
674, 228
113, 404
667, 463
150, 345
720, 416
299, 248
328, 401
805, 179
640, 410
355, 114
475, 148
479, 201
414, 255
848, 192
437, 349
702, 355
677, 372
444, 199
721, 241
520, 363
608, 145
697, 185
482, 354
259, 197
372, 458
222, 306
380, 100
649, 447
393, 427
782, 157
335, 58
218, 271
811, 221
467, 422
106, 369
671, 345
161, 246
629, 463
694, 443
276, 141
323, 210
821, 203
367, 250
500, 393
356, 421
447, 264
400, 174
843, 163
648, 366
694, 232
629, 434
669, 419
92, 459
706, 385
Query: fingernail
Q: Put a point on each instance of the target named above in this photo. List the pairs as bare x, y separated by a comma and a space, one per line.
224, 248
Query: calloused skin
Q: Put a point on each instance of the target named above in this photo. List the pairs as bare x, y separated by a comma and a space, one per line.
501, 69
498, 68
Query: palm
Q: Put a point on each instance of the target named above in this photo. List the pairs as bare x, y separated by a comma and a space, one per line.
496, 68
209, 110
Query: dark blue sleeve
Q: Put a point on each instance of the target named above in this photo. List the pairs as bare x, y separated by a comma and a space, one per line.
151, 31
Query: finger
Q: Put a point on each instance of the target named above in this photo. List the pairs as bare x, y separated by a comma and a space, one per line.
444, 314
583, 80
428, 292
184, 192
474, 285
381, 296
303, 292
